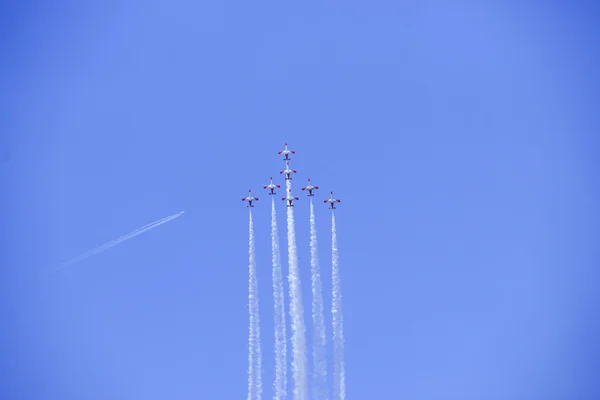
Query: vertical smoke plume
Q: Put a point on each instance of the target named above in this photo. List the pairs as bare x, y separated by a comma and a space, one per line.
280, 385
339, 373
254, 351
296, 311
319, 391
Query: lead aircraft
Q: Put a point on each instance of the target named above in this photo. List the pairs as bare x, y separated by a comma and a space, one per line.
287, 152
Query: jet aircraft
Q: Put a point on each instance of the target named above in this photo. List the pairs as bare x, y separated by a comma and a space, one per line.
287, 171
272, 187
331, 201
289, 198
249, 198
310, 188
287, 152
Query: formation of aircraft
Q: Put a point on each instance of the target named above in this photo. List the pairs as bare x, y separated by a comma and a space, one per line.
249, 198
289, 197
272, 187
331, 200
310, 188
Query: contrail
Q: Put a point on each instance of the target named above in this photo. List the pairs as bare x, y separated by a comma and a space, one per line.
339, 372
114, 242
296, 311
254, 351
319, 336
280, 385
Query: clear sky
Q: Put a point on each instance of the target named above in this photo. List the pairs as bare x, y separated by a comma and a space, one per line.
461, 138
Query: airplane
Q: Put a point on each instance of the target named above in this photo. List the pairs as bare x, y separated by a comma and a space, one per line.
286, 152
289, 198
287, 171
249, 199
272, 186
331, 202
310, 188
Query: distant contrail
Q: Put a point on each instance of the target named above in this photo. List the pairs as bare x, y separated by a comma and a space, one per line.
114, 242
296, 310
254, 350
339, 373
319, 391
280, 385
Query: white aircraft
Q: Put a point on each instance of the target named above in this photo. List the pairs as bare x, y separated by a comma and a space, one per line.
249, 199
287, 152
272, 186
331, 202
289, 198
310, 188
287, 171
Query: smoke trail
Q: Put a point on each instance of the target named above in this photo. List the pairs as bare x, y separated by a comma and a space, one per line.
319, 336
114, 242
280, 385
296, 311
254, 351
339, 373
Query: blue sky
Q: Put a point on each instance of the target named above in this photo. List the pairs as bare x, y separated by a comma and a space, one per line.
461, 139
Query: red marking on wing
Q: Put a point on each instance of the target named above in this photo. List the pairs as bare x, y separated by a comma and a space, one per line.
294, 171
325, 201
293, 152
243, 199
264, 187
283, 198
281, 172
303, 188
256, 198
316, 187
278, 186
280, 152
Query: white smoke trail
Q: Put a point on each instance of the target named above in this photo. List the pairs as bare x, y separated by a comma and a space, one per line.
280, 385
339, 372
319, 336
254, 351
296, 311
114, 242
251, 338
